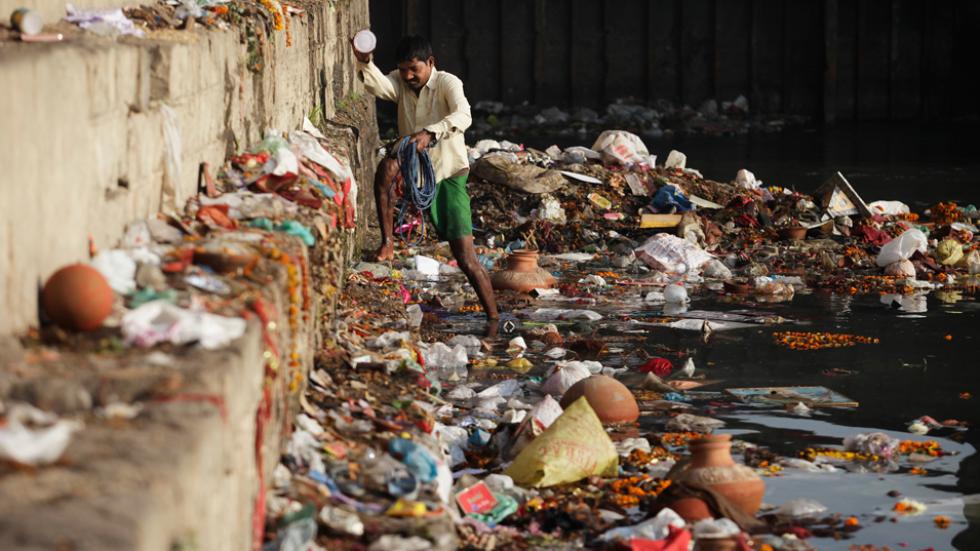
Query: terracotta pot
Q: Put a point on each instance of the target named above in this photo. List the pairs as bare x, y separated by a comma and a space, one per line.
77, 297
690, 508
611, 400
522, 274
712, 466
793, 233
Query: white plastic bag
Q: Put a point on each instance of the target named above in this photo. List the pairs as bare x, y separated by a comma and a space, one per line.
657, 528
671, 254
902, 247
890, 208
160, 321
676, 293
563, 376
902, 268
39, 445
449, 361
619, 146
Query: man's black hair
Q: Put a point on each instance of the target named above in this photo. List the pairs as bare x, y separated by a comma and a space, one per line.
413, 47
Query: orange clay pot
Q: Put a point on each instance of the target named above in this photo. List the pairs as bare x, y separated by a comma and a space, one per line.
77, 297
522, 274
609, 398
712, 466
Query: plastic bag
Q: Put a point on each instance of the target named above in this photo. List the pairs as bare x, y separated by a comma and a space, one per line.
902, 268
902, 247
574, 447
619, 146
416, 458
563, 376
119, 269
875, 443
745, 179
802, 507
671, 254
41, 444
676, 293
670, 199
160, 321
890, 208
541, 416
949, 252
715, 268
656, 528
449, 361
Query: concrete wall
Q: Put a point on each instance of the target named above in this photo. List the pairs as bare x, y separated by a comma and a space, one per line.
83, 145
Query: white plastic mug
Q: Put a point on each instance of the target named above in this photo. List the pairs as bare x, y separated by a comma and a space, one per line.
365, 41
26, 22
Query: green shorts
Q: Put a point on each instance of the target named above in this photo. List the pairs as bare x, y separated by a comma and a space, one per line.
450, 210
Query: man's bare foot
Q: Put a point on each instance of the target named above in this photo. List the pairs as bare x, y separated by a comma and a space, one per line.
385, 253
491, 329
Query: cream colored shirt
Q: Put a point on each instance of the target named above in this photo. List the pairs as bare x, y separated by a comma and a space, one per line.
441, 108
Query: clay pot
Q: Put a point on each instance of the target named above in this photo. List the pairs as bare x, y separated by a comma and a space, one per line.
793, 233
522, 274
77, 297
610, 399
712, 466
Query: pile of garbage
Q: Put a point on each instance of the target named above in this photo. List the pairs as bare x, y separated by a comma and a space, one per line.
269, 225
613, 199
423, 429
257, 21
417, 433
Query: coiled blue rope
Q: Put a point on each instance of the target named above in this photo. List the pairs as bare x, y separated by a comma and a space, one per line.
409, 161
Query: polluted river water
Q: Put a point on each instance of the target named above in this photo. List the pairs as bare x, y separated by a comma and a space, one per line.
922, 364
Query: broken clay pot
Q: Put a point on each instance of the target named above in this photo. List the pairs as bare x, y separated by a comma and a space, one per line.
77, 297
522, 274
610, 399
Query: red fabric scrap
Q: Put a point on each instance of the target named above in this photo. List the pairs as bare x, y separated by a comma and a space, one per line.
661, 367
679, 539
873, 236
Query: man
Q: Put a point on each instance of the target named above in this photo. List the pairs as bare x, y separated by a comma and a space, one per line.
433, 112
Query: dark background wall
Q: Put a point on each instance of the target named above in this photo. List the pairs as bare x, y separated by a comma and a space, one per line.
835, 59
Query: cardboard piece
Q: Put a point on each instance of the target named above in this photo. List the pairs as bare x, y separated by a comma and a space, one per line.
811, 396
660, 220
476, 499
838, 198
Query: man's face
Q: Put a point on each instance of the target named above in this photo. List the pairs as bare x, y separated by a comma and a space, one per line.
416, 72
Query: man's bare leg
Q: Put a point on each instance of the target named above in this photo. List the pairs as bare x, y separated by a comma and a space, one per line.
385, 202
465, 255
